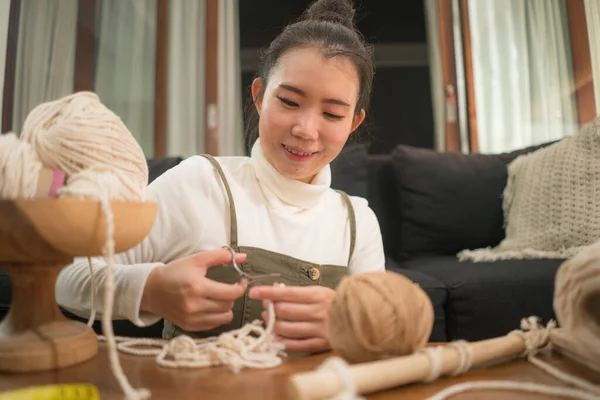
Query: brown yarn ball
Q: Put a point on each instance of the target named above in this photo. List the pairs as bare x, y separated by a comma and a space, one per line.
379, 314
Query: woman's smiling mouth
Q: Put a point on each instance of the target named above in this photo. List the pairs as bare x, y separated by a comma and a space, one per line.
296, 154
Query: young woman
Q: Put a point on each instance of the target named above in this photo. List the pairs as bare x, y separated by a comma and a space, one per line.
275, 208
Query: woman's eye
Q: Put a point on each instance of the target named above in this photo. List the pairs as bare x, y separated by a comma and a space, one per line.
288, 102
333, 116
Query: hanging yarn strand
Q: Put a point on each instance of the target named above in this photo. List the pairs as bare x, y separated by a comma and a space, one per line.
109, 289
92, 317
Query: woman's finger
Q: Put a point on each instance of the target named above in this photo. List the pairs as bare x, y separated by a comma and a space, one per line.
210, 306
204, 322
299, 311
311, 345
298, 330
221, 291
296, 294
203, 305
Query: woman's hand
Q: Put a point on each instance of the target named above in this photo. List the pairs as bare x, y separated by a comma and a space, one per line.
181, 292
301, 315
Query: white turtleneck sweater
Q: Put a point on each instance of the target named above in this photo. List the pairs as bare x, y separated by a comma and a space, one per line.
305, 221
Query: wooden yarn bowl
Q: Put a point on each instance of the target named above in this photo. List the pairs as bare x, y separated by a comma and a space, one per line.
38, 238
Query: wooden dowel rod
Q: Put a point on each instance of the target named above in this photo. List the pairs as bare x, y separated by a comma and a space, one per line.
398, 371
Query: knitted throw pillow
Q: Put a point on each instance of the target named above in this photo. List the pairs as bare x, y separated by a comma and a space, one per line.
551, 201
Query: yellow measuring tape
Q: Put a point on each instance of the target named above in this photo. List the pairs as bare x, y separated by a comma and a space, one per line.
53, 392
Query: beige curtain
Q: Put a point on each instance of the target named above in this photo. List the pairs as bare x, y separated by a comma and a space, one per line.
45, 55
522, 73
126, 64
187, 112
185, 80
229, 107
592, 16
435, 73
4, 14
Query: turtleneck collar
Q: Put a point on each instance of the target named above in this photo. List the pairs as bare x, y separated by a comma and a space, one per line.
290, 191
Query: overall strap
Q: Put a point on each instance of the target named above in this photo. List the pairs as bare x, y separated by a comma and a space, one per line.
352, 218
232, 214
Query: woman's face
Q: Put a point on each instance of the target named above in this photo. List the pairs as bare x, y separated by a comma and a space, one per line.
307, 111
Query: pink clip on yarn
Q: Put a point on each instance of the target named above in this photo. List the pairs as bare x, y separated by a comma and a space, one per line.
58, 181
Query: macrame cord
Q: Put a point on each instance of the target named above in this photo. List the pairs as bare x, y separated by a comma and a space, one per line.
251, 346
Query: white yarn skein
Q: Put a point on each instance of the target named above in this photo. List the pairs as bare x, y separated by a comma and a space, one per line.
78, 132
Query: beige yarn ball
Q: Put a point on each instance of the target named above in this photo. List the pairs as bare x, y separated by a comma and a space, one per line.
379, 314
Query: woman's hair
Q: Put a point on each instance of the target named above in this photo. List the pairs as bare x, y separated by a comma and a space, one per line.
329, 26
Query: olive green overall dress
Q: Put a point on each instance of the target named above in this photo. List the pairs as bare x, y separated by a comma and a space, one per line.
292, 271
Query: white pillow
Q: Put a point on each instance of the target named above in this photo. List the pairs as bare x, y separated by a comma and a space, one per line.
551, 201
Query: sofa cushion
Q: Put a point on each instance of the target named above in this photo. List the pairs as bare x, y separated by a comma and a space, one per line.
158, 166
489, 299
349, 170
383, 200
449, 201
435, 289
550, 201
5, 294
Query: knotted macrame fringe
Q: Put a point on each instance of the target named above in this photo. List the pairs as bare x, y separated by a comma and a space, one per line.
490, 254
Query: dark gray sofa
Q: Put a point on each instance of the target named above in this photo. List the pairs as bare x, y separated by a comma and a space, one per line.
430, 206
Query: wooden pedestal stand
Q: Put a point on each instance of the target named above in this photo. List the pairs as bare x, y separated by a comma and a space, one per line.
38, 238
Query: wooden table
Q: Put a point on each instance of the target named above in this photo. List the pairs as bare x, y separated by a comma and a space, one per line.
218, 383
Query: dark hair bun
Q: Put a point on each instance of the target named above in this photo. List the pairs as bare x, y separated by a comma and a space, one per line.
337, 11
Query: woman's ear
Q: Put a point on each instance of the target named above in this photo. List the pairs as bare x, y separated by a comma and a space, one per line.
358, 119
257, 93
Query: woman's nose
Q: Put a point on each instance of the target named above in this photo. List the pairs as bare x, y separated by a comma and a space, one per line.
306, 127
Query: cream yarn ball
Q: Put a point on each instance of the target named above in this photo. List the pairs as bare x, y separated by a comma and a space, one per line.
78, 134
